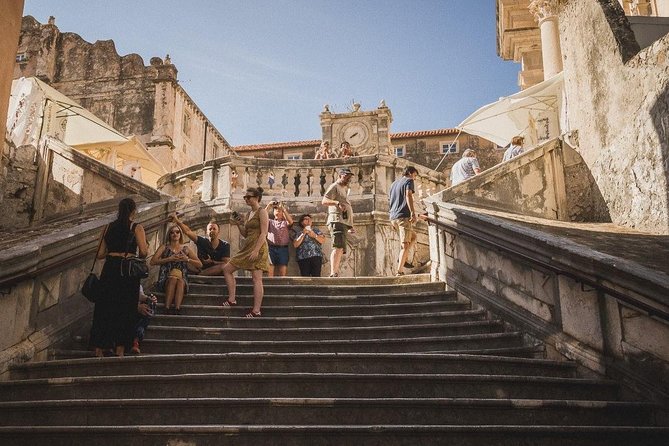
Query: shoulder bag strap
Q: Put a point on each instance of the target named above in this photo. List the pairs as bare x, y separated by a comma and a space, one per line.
95, 259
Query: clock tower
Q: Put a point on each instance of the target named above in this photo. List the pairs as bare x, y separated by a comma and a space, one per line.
368, 132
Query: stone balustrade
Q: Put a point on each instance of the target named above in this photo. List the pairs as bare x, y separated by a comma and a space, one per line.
222, 182
213, 189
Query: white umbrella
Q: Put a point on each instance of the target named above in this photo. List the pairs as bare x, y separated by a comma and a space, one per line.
533, 113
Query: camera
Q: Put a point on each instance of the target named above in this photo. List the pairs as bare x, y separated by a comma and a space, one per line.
234, 215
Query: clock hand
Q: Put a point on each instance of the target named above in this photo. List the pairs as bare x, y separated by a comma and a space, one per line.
354, 135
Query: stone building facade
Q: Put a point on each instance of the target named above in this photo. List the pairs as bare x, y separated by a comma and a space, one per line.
616, 94
146, 101
424, 147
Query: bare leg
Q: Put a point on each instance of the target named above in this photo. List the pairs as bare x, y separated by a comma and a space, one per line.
258, 290
231, 283
335, 260
281, 270
214, 270
270, 273
169, 291
120, 350
179, 293
404, 251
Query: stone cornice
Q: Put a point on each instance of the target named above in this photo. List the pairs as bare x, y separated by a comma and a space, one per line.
544, 9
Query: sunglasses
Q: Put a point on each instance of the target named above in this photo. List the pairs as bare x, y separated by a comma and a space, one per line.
246, 197
175, 232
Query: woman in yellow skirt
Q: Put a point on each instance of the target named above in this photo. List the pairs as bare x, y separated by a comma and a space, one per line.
254, 255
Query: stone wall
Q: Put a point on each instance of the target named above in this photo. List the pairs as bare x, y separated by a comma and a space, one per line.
426, 151
55, 180
43, 266
550, 181
17, 185
618, 100
135, 99
608, 314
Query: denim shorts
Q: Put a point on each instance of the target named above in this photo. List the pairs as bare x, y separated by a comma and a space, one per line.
278, 255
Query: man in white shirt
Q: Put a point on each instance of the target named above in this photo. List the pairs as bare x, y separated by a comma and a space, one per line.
467, 167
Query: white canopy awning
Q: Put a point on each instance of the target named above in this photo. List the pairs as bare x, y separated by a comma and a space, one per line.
37, 110
533, 113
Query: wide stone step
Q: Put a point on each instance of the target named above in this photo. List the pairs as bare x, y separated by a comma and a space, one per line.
253, 333
311, 310
309, 385
317, 290
286, 298
461, 343
523, 351
398, 363
325, 411
234, 318
390, 435
387, 435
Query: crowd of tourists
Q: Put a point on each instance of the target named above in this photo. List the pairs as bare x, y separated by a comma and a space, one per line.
122, 309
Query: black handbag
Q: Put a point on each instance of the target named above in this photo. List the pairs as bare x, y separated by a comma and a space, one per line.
131, 265
91, 287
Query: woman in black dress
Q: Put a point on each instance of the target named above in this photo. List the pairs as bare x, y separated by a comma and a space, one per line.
116, 309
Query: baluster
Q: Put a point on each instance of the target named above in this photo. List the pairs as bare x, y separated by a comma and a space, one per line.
310, 183
271, 180
259, 175
246, 179
297, 182
322, 182
284, 182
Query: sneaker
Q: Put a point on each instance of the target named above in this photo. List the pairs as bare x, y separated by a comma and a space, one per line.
135, 347
408, 265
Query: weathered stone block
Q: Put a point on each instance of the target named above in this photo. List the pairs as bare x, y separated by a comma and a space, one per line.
48, 289
580, 312
644, 333
15, 314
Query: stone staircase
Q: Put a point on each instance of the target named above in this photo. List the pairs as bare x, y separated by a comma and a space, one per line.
374, 361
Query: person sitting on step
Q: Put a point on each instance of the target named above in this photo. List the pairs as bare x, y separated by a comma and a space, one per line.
174, 258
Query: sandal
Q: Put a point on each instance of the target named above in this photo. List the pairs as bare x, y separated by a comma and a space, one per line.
228, 304
399, 274
334, 275
253, 314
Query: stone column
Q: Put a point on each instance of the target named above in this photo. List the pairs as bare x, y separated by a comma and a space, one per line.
545, 12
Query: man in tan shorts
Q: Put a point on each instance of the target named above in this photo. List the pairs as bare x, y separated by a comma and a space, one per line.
402, 213
340, 217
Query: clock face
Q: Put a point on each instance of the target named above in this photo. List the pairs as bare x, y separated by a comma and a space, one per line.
355, 133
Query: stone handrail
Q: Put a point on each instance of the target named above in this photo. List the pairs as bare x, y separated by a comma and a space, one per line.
530, 184
602, 311
222, 181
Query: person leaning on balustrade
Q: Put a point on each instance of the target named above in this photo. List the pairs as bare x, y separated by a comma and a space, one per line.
323, 152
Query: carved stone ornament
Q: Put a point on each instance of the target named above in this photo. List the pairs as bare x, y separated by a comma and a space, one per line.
543, 9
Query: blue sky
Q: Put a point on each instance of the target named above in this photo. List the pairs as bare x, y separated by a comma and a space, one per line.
261, 70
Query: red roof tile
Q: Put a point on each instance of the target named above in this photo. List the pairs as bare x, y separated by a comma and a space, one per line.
277, 145
423, 133
316, 142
